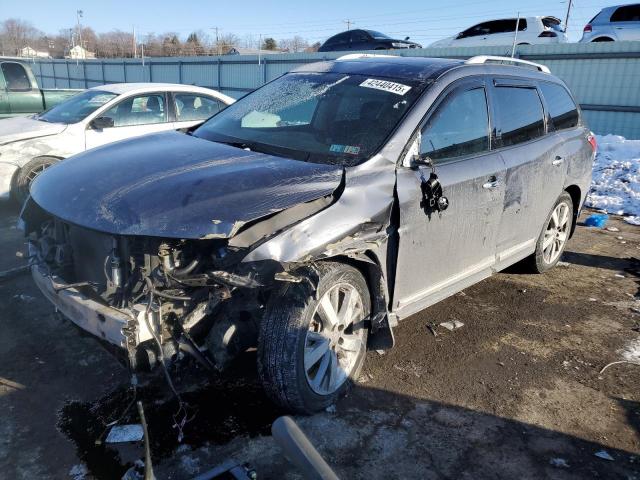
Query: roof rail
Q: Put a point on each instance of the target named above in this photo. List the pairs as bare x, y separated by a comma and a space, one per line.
480, 59
355, 56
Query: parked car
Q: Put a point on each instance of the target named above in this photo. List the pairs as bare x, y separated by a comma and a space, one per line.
616, 23
364, 40
95, 117
20, 94
311, 215
531, 31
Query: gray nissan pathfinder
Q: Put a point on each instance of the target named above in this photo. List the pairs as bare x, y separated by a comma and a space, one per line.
311, 216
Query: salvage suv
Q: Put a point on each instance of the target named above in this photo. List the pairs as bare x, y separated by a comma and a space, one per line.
310, 216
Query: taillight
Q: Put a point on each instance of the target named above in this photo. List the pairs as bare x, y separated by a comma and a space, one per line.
548, 34
591, 138
587, 28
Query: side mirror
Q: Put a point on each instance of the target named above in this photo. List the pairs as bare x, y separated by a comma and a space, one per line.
459, 36
406, 38
421, 160
101, 123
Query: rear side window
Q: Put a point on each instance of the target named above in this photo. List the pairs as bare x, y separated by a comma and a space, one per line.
459, 127
339, 39
16, 77
630, 13
564, 112
519, 115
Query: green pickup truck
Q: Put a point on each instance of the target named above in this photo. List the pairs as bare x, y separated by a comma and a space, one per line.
20, 94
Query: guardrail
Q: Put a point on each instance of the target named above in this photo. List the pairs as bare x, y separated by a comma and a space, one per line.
604, 77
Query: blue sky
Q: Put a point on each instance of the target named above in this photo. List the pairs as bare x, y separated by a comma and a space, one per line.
423, 21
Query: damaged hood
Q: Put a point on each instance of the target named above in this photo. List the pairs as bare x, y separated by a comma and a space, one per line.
25, 128
177, 186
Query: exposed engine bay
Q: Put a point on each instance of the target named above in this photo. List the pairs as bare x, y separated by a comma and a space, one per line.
172, 290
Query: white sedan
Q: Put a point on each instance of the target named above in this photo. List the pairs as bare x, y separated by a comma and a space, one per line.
95, 117
531, 31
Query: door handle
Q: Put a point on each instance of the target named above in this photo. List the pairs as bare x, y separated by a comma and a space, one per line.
557, 161
492, 183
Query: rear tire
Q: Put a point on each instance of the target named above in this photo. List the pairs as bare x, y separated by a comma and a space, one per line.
27, 174
554, 236
312, 342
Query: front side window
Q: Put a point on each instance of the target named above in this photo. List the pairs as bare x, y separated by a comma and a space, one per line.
138, 110
564, 112
519, 115
76, 108
630, 13
15, 77
195, 107
359, 36
458, 128
330, 118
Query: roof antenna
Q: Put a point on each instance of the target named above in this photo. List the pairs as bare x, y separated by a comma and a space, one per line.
515, 36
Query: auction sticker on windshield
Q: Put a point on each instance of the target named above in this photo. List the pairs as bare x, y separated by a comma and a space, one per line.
385, 85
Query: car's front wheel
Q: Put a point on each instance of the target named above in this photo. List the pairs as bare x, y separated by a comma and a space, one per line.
554, 236
27, 174
312, 342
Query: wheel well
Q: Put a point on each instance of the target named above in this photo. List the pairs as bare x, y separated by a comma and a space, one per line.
602, 39
575, 194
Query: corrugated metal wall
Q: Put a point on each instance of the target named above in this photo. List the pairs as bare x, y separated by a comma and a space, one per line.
605, 77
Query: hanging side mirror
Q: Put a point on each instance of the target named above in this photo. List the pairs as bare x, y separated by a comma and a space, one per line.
101, 123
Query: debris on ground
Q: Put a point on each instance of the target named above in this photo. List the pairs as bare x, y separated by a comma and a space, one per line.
432, 329
24, 298
559, 462
380, 352
563, 264
452, 325
598, 220
613, 229
125, 433
330, 409
603, 454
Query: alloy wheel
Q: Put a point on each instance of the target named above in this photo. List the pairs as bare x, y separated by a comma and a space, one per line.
335, 339
556, 234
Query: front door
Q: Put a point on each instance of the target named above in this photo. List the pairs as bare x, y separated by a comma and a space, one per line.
626, 22
132, 117
441, 252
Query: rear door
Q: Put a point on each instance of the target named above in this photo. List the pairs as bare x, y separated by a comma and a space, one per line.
626, 22
134, 116
24, 94
440, 253
5, 110
535, 167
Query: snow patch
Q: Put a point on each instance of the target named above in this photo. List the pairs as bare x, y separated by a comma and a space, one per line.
615, 187
631, 352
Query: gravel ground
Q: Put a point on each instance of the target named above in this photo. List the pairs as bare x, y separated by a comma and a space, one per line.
514, 393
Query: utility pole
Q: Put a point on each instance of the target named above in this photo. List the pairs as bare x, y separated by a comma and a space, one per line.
566, 20
349, 23
217, 40
79, 14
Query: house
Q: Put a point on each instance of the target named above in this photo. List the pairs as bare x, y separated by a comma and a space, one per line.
80, 53
28, 52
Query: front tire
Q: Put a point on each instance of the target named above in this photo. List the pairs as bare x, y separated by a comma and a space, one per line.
27, 174
554, 236
312, 343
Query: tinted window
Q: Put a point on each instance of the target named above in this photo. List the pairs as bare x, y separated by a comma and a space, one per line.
630, 13
339, 39
195, 107
359, 36
16, 77
519, 113
458, 128
564, 112
140, 110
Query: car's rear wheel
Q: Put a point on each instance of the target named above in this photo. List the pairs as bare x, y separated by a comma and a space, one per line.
28, 174
312, 344
554, 236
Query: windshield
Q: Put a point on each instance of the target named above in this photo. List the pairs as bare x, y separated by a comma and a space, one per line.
76, 108
378, 35
328, 118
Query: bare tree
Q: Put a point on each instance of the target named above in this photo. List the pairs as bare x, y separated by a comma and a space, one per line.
225, 43
171, 46
295, 44
16, 34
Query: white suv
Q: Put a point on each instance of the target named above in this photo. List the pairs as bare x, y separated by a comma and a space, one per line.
531, 30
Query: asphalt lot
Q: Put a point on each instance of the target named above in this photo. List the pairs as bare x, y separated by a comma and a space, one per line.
515, 393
